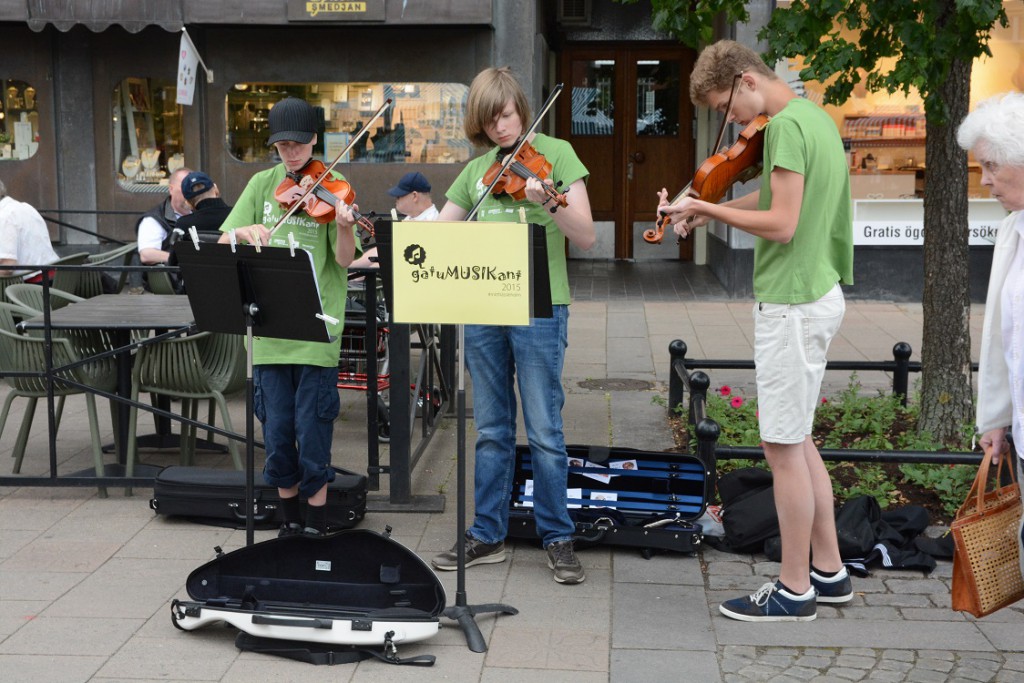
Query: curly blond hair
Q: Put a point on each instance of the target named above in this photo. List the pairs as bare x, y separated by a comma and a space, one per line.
717, 67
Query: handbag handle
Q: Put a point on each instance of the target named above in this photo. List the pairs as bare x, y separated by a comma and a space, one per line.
980, 484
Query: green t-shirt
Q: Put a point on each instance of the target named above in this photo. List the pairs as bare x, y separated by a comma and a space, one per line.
257, 205
565, 167
802, 138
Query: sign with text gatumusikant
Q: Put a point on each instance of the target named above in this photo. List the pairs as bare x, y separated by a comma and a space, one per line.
461, 273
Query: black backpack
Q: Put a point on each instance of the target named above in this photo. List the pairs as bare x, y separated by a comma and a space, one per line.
748, 511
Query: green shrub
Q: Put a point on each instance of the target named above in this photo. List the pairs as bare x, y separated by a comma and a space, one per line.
856, 420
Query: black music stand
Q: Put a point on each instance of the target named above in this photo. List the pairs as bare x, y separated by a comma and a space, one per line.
540, 300
271, 293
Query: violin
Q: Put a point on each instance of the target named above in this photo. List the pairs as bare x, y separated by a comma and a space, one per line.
510, 178
321, 204
738, 164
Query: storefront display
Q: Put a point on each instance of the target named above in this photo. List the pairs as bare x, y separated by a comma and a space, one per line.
19, 121
424, 123
147, 133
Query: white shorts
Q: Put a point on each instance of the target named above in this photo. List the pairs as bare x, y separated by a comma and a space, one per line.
790, 343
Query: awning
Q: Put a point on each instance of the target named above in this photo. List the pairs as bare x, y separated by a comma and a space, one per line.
99, 15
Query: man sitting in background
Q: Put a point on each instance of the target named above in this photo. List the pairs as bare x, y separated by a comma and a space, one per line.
208, 209
412, 198
155, 230
23, 237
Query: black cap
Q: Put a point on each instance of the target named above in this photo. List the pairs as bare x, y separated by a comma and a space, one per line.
294, 120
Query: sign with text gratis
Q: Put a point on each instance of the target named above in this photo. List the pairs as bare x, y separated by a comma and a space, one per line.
461, 273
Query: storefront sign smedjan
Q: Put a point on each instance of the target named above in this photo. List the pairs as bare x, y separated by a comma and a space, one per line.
336, 10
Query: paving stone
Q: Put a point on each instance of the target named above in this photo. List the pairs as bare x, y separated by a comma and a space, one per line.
758, 672
855, 661
884, 676
813, 662
925, 676
897, 600
927, 586
899, 655
847, 674
894, 665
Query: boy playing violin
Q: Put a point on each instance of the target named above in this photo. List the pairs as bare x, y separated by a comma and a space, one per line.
498, 114
296, 397
801, 218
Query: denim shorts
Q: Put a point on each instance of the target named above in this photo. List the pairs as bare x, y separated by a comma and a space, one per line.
297, 405
790, 343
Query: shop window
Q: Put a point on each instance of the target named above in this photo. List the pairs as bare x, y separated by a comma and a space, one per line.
423, 125
19, 120
147, 133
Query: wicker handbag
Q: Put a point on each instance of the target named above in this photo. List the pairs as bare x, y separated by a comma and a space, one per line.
986, 537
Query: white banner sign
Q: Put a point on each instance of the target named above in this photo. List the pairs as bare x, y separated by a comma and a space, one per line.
188, 60
911, 233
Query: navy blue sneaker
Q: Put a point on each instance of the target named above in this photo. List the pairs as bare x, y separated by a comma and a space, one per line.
833, 589
770, 603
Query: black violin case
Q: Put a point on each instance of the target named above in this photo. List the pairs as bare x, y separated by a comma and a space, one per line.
217, 497
301, 596
622, 496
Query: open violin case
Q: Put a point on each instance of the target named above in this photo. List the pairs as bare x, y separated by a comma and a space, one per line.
622, 496
318, 599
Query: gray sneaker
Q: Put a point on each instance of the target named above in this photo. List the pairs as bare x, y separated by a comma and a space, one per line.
477, 552
562, 559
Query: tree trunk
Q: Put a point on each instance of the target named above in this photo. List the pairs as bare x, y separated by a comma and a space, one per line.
946, 398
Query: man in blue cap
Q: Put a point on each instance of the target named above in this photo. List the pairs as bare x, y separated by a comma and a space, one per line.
412, 198
208, 209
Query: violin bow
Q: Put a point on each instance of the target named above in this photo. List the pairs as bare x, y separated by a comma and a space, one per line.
511, 157
352, 143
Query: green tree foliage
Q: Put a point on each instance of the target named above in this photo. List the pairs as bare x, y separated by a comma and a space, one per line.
926, 46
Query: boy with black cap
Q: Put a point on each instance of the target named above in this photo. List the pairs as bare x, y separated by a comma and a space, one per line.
296, 396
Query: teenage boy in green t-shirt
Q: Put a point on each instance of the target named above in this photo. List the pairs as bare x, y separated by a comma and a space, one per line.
296, 397
804, 249
498, 114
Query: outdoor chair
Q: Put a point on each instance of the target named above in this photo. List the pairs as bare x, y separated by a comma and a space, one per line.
191, 368
23, 354
160, 282
30, 296
6, 282
67, 280
91, 282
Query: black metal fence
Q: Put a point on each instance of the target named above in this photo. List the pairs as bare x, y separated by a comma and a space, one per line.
695, 385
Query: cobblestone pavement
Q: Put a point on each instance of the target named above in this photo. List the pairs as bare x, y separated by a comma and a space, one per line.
893, 597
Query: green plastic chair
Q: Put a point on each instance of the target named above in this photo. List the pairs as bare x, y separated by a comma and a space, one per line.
19, 353
68, 280
6, 282
192, 368
160, 282
91, 283
30, 296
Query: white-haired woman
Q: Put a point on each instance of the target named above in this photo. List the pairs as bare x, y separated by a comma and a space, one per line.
991, 133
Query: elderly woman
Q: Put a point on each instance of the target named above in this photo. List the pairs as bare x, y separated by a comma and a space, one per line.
991, 132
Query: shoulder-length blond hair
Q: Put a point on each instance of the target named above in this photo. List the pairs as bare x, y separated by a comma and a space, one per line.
490, 91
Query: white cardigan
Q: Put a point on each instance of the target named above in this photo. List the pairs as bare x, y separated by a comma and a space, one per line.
995, 407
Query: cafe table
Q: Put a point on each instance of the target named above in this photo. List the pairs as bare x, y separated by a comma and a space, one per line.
120, 315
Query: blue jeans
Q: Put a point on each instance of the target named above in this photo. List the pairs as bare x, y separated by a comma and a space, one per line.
496, 357
297, 405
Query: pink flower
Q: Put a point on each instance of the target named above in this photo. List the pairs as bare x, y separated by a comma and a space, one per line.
725, 390
736, 402
824, 400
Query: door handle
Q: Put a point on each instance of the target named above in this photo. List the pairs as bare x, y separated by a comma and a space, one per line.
629, 171
639, 157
